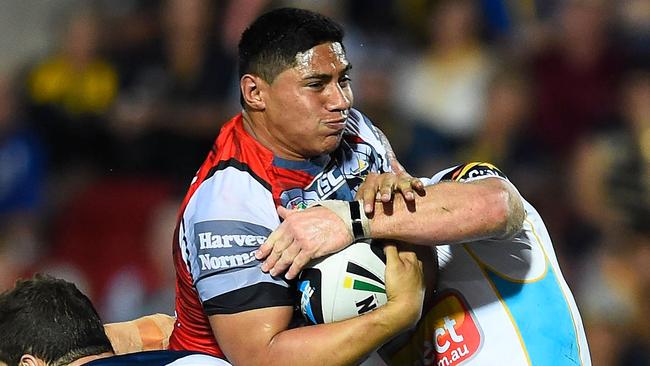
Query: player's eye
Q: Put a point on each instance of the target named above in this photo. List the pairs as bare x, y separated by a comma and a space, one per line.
315, 85
345, 81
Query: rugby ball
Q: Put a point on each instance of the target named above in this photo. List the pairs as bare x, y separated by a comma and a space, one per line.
344, 284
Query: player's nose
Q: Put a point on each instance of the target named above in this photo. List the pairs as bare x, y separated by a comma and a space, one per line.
338, 99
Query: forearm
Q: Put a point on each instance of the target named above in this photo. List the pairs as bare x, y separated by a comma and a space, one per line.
340, 343
261, 338
451, 212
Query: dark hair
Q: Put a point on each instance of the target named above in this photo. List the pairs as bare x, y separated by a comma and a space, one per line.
270, 44
50, 319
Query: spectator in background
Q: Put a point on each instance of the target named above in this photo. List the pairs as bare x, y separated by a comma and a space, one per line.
634, 26
611, 189
574, 80
164, 120
444, 92
70, 91
612, 166
575, 77
21, 183
507, 112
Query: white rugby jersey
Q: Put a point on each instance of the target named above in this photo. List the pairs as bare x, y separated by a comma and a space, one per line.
230, 210
499, 302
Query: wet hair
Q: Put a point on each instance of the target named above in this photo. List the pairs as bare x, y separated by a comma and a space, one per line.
270, 44
50, 319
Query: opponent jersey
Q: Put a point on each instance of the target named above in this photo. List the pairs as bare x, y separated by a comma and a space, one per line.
499, 302
230, 210
160, 358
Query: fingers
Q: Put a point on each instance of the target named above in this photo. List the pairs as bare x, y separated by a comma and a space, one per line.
408, 256
285, 259
272, 249
299, 262
266, 249
404, 254
409, 186
367, 192
418, 186
406, 187
387, 187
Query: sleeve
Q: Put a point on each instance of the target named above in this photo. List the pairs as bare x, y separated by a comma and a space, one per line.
521, 258
230, 215
466, 173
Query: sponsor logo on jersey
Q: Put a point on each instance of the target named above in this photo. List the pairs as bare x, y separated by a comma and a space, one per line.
208, 240
221, 234
455, 336
447, 336
472, 171
327, 183
209, 262
345, 170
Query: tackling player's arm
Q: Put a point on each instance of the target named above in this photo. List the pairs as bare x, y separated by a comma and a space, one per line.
451, 211
262, 337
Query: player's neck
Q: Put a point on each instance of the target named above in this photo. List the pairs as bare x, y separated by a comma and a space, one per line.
85, 360
257, 129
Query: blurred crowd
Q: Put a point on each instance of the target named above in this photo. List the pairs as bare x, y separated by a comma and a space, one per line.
108, 107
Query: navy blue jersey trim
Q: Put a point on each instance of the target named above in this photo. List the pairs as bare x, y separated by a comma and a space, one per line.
149, 358
311, 167
260, 295
239, 166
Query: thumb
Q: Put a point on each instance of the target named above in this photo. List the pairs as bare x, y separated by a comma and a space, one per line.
390, 250
283, 212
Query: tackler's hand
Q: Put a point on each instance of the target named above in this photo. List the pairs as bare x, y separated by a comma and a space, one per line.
380, 187
301, 237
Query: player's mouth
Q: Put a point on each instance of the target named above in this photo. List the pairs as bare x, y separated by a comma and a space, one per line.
336, 124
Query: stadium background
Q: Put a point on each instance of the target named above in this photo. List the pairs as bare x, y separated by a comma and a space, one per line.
108, 106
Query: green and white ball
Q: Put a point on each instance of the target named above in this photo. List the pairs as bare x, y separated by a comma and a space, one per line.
344, 284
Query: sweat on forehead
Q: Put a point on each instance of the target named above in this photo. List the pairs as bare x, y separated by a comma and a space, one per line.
304, 59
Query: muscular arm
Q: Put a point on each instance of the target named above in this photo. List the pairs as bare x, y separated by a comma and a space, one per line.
258, 337
261, 337
452, 212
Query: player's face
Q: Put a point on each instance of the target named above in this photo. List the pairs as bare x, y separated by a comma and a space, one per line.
307, 105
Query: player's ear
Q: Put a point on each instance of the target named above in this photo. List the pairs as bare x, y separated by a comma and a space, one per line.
252, 91
29, 360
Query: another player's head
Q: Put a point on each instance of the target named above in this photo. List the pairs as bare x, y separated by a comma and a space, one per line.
294, 81
47, 321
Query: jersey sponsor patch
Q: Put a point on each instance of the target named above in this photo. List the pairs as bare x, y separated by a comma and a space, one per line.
472, 171
448, 335
224, 244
